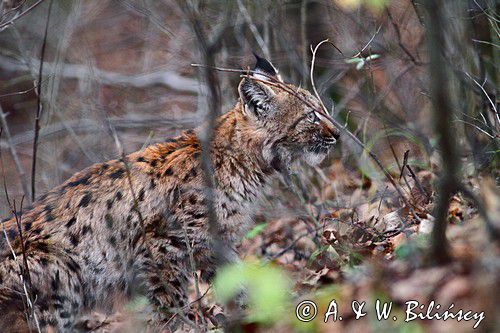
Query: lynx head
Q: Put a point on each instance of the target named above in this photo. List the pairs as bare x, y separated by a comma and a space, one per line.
293, 129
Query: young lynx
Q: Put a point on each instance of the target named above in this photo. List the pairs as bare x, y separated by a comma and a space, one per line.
88, 241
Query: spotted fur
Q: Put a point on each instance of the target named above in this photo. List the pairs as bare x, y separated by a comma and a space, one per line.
95, 238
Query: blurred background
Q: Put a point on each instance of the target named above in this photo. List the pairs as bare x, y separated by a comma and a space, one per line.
125, 66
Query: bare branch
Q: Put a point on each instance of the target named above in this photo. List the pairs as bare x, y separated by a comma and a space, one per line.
39, 104
7, 24
254, 30
167, 78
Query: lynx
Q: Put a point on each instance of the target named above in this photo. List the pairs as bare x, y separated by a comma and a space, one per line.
126, 222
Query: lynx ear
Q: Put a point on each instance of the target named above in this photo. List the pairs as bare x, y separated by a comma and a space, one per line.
264, 66
256, 97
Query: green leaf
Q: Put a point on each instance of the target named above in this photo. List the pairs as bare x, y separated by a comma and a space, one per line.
360, 65
354, 60
377, 4
256, 230
267, 289
372, 57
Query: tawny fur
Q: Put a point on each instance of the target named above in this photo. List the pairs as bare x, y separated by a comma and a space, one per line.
85, 241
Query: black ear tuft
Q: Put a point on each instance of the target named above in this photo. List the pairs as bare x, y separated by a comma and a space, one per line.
264, 66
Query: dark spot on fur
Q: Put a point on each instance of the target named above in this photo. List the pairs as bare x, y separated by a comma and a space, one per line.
159, 290
74, 304
77, 289
141, 195
198, 215
117, 260
44, 261
119, 195
117, 174
73, 265
82, 181
192, 199
261, 178
141, 159
71, 222
74, 239
130, 262
154, 163
176, 194
192, 173
163, 249
55, 282
85, 200
97, 270
37, 231
27, 226
109, 204
86, 229
64, 314
168, 172
152, 184
177, 242
276, 164
112, 241
49, 217
109, 221
196, 155
170, 140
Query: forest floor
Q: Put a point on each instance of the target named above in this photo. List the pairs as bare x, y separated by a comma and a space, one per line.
375, 251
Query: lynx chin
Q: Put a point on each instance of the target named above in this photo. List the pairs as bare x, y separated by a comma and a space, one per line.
88, 244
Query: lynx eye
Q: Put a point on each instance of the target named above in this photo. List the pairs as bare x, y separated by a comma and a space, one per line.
312, 117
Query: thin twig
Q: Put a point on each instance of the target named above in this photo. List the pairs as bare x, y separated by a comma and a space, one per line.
253, 29
24, 275
400, 42
417, 183
313, 63
39, 104
367, 44
193, 272
481, 86
5, 25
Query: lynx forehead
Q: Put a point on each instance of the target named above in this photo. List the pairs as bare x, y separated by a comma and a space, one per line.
95, 237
